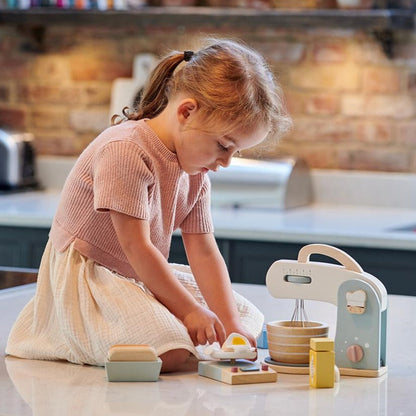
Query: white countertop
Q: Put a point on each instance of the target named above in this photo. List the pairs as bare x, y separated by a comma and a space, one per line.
29, 209
30, 387
349, 225
342, 225
350, 208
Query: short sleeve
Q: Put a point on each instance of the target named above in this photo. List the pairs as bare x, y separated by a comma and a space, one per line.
122, 179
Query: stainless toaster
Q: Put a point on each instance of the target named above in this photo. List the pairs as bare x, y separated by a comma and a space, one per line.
17, 161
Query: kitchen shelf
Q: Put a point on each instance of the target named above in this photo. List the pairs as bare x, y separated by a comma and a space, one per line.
373, 20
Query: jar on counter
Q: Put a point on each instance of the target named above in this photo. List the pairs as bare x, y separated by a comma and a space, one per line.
355, 4
256, 4
169, 3
303, 4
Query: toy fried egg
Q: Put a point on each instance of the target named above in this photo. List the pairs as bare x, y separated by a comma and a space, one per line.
236, 342
235, 346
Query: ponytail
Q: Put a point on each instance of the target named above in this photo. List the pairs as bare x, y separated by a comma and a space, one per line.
155, 94
153, 98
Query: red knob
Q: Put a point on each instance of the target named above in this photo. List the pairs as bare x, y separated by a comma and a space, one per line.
355, 353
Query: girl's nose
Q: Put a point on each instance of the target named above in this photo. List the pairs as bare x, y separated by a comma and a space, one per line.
225, 160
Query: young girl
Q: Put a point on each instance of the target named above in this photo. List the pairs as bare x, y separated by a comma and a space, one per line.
104, 278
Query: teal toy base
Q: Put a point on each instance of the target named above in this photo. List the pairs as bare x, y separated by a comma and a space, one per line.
238, 372
133, 370
262, 339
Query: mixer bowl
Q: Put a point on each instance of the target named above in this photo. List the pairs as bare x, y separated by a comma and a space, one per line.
289, 341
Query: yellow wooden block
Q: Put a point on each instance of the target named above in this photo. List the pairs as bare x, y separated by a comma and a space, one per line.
321, 362
322, 344
321, 368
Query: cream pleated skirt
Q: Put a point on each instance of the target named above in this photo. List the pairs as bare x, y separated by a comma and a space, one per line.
80, 309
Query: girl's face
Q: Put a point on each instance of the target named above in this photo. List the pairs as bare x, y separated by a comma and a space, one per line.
199, 151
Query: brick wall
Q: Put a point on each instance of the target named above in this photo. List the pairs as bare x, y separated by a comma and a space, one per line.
353, 108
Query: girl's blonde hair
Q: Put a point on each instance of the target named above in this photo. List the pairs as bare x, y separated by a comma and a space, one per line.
231, 83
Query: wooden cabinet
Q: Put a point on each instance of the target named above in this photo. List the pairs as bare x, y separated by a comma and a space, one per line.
248, 261
22, 246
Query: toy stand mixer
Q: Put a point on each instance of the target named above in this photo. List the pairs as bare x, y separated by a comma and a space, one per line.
361, 300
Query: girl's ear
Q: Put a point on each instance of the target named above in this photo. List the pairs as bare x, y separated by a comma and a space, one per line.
186, 107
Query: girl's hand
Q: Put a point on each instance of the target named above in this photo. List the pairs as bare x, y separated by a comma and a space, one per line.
204, 326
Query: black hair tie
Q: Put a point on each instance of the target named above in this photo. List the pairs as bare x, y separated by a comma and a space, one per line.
187, 55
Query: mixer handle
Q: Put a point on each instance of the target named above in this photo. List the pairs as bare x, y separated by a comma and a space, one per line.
341, 256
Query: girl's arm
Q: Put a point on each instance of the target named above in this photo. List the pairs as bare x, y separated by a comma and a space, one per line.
211, 274
154, 271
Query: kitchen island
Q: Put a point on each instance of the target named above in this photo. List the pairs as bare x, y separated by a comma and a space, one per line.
47, 388
371, 216
381, 238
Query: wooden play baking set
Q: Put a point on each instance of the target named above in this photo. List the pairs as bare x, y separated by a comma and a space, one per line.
361, 300
296, 346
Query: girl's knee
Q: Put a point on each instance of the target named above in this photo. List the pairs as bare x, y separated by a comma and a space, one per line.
173, 360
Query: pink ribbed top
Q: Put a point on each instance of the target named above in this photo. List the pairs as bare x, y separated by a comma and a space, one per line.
128, 169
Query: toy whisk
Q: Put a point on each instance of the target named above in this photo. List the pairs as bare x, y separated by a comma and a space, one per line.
299, 316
